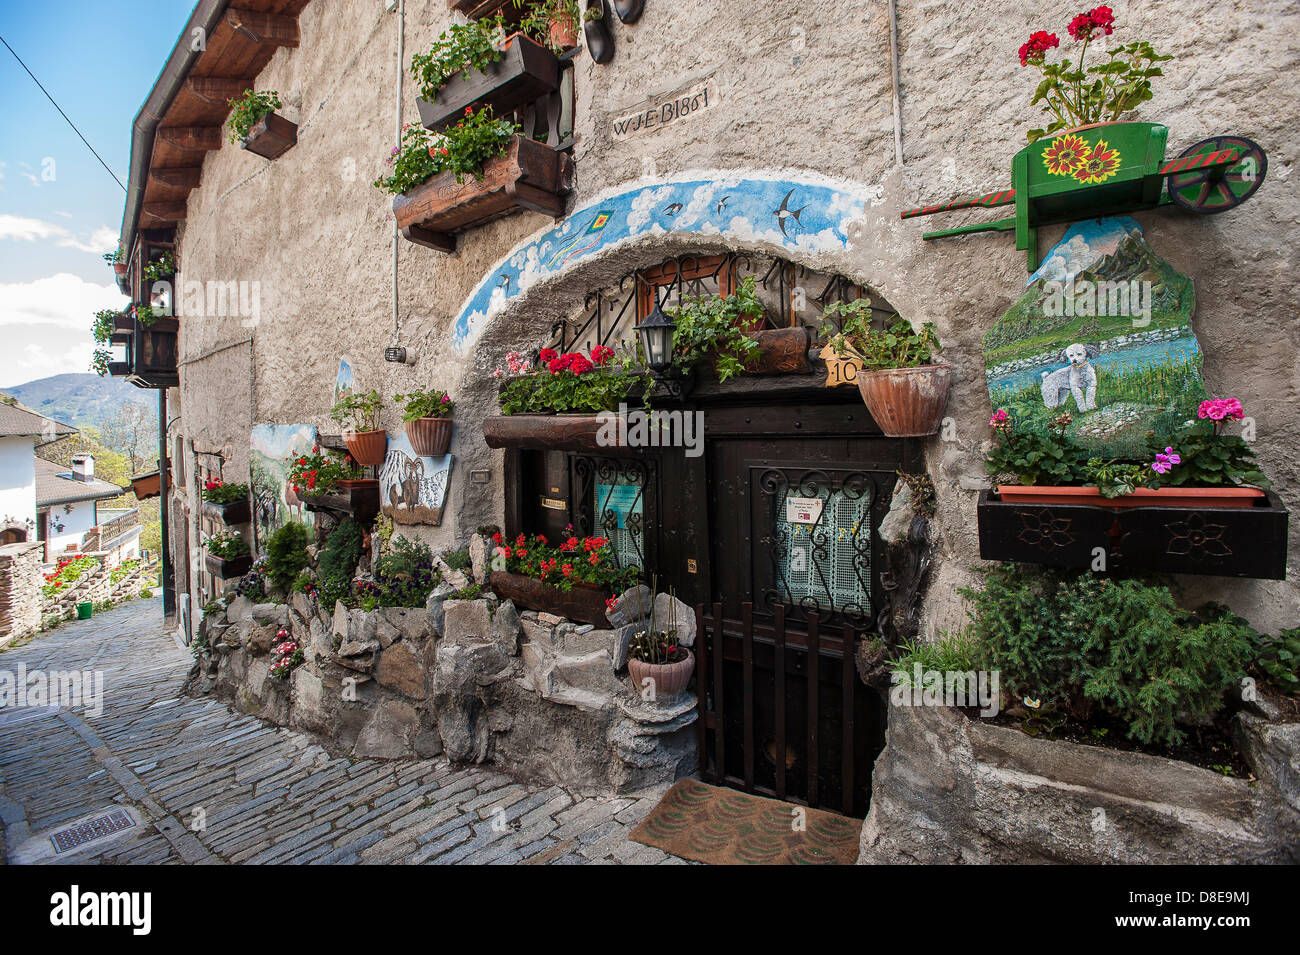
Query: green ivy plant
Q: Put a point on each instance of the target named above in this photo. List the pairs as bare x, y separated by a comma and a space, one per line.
461, 149
145, 314
99, 361
847, 327
359, 411
433, 403
716, 327
104, 325
1277, 659
247, 109
474, 45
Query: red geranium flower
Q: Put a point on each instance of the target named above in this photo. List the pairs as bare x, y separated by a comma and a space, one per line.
547, 354
1036, 49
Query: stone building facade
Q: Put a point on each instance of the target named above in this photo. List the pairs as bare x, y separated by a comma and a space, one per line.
867, 106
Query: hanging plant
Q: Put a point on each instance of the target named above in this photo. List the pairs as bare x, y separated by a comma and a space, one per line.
473, 45
462, 149
160, 268
247, 109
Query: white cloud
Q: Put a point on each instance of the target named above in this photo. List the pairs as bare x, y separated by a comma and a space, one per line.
63, 300
28, 230
21, 229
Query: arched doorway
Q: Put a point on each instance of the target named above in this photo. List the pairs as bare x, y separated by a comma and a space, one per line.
13, 535
785, 598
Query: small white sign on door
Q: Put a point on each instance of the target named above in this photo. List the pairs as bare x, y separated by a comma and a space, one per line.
803, 510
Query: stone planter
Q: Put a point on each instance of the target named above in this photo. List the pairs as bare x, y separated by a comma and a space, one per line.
429, 437
1191, 538
367, 447
236, 512
526, 72
906, 402
271, 136
949, 789
228, 569
583, 602
528, 175
669, 678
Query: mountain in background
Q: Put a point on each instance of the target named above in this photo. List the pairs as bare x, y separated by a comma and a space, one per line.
80, 399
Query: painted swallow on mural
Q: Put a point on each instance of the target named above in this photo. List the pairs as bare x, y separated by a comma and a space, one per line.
785, 213
722, 204
673, 209
505, 282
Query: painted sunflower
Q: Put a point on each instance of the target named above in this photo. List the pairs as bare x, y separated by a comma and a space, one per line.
1100, 165
1065, 154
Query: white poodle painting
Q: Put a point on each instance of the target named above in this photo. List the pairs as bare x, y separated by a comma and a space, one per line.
1077, 378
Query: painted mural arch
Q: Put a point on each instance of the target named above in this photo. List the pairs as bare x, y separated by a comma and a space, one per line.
801, 214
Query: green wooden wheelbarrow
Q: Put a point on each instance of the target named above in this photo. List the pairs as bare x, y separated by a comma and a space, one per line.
1111, 169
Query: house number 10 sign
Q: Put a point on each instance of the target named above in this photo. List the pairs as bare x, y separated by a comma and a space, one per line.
839, 371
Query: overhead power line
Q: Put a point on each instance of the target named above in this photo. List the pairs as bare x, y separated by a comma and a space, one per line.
62, 113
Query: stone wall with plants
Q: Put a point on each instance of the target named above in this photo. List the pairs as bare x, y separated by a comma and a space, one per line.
87, 579
797, 95
385, 650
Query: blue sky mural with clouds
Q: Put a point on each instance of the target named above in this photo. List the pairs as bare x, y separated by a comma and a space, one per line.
788, 213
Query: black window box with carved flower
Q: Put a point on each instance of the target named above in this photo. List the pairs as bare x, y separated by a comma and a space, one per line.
1220, 541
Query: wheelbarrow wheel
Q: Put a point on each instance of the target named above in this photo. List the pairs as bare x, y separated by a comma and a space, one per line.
1219, 188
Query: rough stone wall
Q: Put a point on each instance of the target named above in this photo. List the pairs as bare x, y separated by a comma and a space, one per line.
800, 88
469, 678
20, 590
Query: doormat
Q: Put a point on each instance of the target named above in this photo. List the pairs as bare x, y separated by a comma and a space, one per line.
726, 827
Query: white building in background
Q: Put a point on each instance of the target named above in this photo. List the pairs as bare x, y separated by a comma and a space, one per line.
21, 433
69, 518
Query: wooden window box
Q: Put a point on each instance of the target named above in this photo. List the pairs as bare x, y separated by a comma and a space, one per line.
356, 499
550, 432
526, 72
232, 514
528, 175
1221, 541
271, 136
228, 569
584, 602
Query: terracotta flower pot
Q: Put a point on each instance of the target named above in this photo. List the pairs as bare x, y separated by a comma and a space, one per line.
564, 34
1142, 497
429, 437
907, 402
367, 447
669, 678
120, 268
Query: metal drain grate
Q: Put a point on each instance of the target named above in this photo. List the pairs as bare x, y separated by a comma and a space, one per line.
97, 828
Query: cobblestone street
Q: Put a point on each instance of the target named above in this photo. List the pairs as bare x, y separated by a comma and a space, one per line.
208, 785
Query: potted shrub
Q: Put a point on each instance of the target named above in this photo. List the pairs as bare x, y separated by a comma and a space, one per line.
254, 124
359, 414
656, 656
227, 556
575, 578
905, 390
476, 64
719, 330
227, 503
470, 173
427, 419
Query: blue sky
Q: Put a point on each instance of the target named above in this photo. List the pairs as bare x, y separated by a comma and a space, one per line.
59, 209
